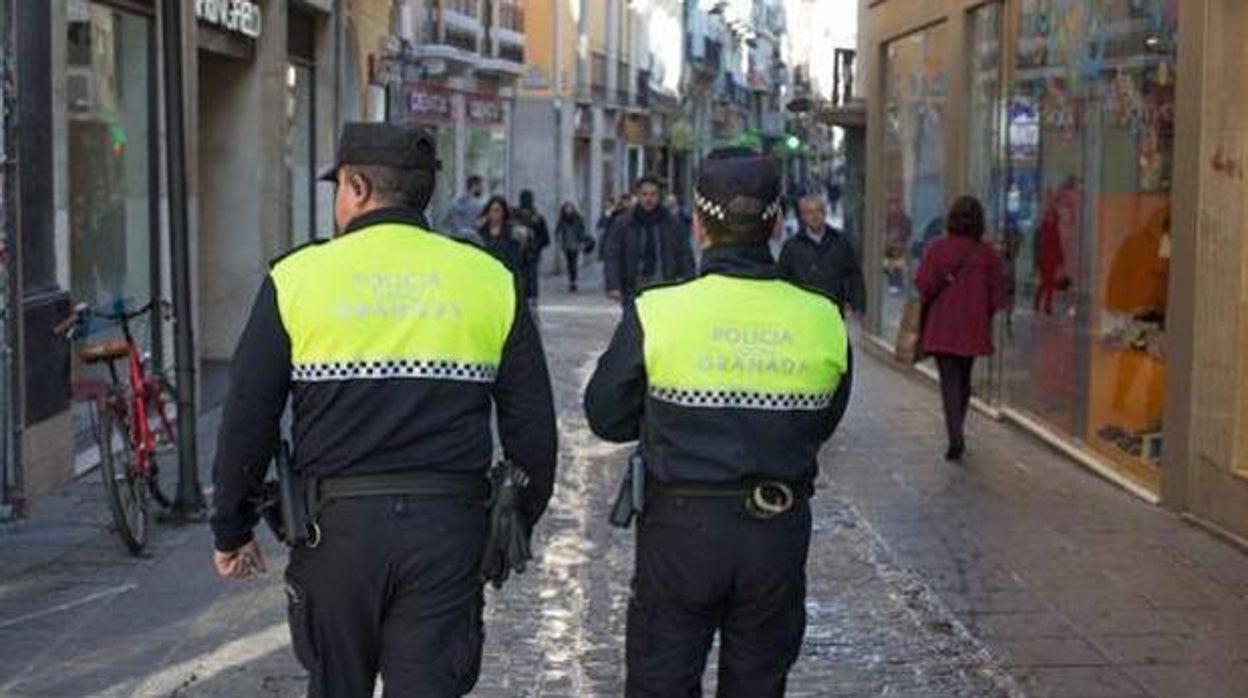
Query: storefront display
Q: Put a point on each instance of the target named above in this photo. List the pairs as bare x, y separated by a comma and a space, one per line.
915, 85
1089, 154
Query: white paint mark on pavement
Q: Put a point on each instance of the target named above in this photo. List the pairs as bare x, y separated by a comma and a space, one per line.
61, 608
232, 654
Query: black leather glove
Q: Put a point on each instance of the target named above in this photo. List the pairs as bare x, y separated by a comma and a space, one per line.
507, 546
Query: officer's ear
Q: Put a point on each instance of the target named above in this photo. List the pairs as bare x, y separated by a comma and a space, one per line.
699, 231
361, 188
777, 228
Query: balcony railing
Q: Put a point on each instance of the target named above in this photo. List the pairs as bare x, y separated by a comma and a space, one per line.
511, 17
454, 23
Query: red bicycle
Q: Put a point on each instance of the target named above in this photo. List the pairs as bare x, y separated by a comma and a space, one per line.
133, 422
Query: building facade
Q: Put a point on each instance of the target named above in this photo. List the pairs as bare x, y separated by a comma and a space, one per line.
1110, 164
599, 100
452, 67
89, 215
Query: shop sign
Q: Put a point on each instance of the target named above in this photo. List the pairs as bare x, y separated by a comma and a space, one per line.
635, 128
487, 111
427, 104
238, 16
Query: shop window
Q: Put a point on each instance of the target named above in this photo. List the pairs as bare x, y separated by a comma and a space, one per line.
111, 173
915, 89
301, 125
1090, 146
985, 158
300, 152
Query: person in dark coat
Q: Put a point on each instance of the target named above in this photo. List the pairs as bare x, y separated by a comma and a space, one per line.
647, 245
823, 257
537, 240
961, 282
499, 238
573, 240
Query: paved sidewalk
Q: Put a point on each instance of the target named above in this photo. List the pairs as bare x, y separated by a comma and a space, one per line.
1081, 588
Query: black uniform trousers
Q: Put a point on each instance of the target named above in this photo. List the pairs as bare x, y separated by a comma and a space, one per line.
394, 588
703, 566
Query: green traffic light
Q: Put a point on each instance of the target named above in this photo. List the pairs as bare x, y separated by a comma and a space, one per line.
793, 142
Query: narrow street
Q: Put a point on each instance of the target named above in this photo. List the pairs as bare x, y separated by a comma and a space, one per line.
89, 620
920, 584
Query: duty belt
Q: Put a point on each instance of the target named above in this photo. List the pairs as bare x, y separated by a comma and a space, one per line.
470, 486
763, 499
473, 486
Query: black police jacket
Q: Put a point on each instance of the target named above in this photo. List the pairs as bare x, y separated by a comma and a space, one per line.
696, 444
830, 265
623, 250
394, 415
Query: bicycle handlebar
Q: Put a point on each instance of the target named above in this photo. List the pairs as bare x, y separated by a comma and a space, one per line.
82, 312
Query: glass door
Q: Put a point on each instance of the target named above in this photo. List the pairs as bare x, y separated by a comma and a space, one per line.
985, 149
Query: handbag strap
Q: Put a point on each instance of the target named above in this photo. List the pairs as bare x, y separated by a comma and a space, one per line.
953, 278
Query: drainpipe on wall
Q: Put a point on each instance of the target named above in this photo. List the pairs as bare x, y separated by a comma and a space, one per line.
189, 501
12, 485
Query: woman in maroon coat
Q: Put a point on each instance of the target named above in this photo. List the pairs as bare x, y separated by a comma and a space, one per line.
962, 285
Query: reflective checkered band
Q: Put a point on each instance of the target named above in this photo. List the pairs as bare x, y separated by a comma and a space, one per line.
714, 210
708, 207
735, 399
397, 368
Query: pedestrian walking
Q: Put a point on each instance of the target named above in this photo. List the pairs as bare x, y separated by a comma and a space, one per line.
732, 382
498, 235
573, 240
534, 243
646, 246
464, 215
823, 257
394, 345
961, 283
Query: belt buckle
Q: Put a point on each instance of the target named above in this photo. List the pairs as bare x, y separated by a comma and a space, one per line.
768, 500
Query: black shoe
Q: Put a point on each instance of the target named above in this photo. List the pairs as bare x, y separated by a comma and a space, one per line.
955, 453
572, 288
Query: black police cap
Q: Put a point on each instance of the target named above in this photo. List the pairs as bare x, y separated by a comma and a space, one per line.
738, 186
390, 145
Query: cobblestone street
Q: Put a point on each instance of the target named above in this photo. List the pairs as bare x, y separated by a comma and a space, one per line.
913, 562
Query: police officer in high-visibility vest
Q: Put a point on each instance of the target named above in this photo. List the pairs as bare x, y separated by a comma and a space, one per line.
732, 382
395, 345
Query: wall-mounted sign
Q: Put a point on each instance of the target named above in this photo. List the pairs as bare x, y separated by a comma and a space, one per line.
487, 111
427, 104
238, 16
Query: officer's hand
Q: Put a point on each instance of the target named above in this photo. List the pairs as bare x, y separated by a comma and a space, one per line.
243, 563
614, 295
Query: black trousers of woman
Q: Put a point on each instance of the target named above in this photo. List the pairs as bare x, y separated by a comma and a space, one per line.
574, 267
955, 392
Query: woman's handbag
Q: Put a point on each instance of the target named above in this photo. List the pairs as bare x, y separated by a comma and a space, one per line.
909, 346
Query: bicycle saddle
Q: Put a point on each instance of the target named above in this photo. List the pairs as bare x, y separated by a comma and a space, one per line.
104, 351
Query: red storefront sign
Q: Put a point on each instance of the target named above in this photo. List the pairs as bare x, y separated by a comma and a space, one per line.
484, 110
427, 104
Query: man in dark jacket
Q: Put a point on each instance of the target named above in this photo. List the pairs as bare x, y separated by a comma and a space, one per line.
822, 257
645, 246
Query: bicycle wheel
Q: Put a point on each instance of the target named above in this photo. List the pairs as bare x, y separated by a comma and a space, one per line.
162, 417
127, 494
